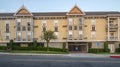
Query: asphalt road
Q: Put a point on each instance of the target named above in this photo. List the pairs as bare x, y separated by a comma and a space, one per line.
55, 61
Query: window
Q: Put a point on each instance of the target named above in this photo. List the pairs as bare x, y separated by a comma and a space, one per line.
56, 25
93, 27
24, 28
70, 37
29, 28
80, 27
80, 36
28, 24
93, 22
7, 37
93, 35
75, 27
80, 21
19, 36
70, 20
18, 29
18, 26
56, 29
7, 28
29, 36
70, 27
44, 29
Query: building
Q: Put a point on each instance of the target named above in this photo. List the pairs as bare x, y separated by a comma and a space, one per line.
76, 28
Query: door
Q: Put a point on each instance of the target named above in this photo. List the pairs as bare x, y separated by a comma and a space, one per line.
112, 48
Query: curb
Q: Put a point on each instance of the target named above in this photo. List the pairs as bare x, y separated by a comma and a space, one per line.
32, 54
114, 56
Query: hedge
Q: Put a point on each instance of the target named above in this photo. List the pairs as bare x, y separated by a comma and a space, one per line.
95, 50
3, 47
117, 49
38, 48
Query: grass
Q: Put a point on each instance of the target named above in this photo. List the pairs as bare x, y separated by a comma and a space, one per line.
35, 52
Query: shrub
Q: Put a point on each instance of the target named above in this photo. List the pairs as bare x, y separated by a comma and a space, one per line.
106, 47
117, 49
35, 45
3, 47
64, 47
95, 50
10, 45
38, 48
22, 48
42, 48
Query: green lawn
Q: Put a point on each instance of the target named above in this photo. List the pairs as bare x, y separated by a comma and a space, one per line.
36, 52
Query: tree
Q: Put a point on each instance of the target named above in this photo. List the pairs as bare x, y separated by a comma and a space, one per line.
47, 36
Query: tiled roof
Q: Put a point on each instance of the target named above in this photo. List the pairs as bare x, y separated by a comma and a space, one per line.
101, 13
61, 13
50, 14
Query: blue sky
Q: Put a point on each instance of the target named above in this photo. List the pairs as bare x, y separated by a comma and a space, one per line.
59, 5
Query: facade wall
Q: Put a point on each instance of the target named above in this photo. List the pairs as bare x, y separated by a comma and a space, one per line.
100, 23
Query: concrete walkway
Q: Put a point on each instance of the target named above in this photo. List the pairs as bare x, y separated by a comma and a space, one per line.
86, 55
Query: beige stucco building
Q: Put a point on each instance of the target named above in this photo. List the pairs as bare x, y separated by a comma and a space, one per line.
76, 28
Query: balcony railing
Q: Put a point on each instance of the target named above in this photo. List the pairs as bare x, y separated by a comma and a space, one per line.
113, 38
113, 25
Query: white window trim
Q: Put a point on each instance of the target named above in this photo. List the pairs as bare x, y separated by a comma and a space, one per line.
93, 33
93, 21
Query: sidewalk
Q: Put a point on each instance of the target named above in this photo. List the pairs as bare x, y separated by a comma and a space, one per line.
91, 55
83, 55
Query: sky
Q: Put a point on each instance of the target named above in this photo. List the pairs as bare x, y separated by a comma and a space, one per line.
59, 5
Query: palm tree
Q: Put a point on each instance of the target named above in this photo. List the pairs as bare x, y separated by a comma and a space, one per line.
47, 36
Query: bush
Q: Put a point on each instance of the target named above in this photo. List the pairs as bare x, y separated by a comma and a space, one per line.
38, 48
64, 47
23, 48
42, 48
3, 47
106, 47
35, 45
95, 50
10, 45
117, 49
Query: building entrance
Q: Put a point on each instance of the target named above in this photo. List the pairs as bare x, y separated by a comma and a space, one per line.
78, 47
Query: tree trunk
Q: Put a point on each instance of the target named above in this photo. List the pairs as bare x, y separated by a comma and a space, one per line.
47, 45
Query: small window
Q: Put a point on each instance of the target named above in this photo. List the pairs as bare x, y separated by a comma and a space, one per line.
44, 24
18, 24
18, 29
56, 29
28, 24
93, 27
29, 28
7, 37
70, 27
44, 29
70, 37
80, 27
80, 21
19, 37
24, 28
7, 28
80, 36
93, 22
75, 27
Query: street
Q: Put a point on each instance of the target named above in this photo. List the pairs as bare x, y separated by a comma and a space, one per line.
55, 61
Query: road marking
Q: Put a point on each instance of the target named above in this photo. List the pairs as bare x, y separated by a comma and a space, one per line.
45, 60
